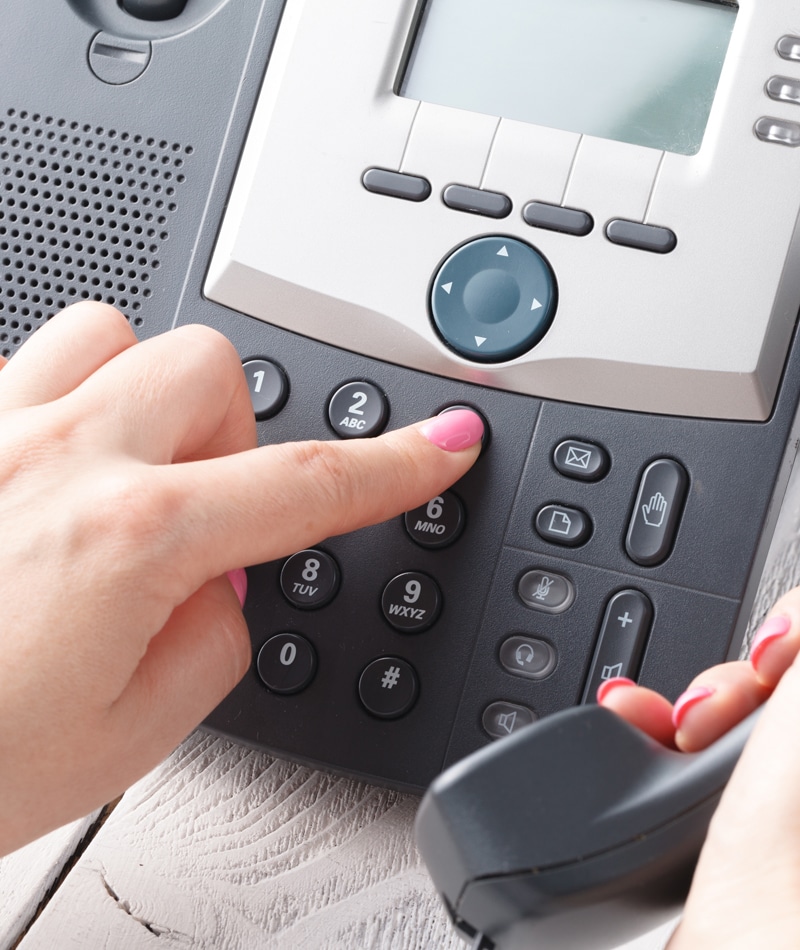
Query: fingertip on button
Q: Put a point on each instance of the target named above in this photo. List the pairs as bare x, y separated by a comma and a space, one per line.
472, 420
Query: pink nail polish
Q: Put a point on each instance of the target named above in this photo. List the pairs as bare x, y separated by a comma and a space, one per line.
608, 685
687, 700
238, 579
454, 429
772, 629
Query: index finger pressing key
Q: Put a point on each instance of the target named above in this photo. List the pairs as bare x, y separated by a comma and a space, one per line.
266, 503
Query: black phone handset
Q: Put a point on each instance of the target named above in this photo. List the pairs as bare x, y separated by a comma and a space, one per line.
577, 832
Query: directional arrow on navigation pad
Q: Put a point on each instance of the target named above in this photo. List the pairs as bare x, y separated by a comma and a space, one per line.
503, 252
447, 287
480, 340
536, 305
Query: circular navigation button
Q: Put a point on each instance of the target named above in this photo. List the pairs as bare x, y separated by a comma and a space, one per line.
310, 579
493, 299
388, 687
269, 388
358, 410
286, 663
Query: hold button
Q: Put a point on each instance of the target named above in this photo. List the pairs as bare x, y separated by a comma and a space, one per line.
657, 512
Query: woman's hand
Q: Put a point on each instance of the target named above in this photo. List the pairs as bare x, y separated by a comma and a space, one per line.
130, 486
746, 889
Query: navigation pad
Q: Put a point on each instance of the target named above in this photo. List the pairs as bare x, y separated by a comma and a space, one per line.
493, 299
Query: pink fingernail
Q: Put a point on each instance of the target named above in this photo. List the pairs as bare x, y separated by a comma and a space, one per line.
687, 700
454, 429
238, 579
770, 630
605, 688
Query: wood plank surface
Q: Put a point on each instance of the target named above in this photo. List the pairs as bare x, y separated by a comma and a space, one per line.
27, 876
223, 848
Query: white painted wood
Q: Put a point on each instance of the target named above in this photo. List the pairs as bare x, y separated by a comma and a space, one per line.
225, 848
27, 875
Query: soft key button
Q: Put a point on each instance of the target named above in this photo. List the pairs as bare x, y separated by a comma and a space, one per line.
381, 181
657, 512
645, 237
623, 634
783, 89
526, 656
539, 214
493, 299
492, 204
778, 131
788, 47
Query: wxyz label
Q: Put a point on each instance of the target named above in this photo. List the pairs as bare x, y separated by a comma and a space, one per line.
399, 610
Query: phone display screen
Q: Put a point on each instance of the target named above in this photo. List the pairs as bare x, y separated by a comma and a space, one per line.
637, 71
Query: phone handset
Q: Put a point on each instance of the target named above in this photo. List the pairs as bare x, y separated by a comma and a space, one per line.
578, 831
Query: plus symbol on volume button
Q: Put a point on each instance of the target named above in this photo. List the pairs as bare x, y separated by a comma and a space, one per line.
493, 299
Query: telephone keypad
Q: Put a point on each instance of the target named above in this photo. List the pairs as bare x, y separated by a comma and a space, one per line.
438, 523
358, 410
286, 663
310, 579
268, 385
411, 602
388, 687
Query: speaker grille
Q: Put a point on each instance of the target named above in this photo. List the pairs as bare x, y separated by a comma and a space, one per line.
84, 214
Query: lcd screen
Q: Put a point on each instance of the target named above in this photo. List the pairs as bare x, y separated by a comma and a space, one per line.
639, 71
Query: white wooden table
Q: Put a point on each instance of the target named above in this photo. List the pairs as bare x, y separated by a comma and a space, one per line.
223, 848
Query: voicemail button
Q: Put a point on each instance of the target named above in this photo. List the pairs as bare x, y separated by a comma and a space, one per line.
561, 525
503, 719
583, 460
545, 590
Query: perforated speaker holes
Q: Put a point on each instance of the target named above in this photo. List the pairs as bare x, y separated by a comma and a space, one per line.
84, 212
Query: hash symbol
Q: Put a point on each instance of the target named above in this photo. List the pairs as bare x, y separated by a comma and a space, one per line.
390, 677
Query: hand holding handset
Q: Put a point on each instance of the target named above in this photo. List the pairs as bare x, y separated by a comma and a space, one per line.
579, 831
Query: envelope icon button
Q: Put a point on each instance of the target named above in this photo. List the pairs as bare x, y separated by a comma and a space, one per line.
584, 460
578, 458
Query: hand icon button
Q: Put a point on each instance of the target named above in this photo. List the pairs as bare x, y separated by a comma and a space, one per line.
653, 512
657, 512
